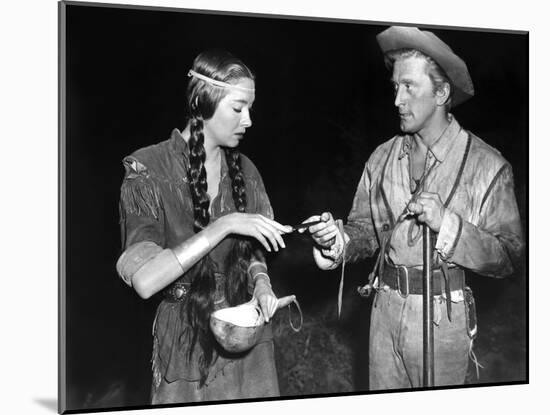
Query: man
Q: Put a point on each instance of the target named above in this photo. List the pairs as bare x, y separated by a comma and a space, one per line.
438, 174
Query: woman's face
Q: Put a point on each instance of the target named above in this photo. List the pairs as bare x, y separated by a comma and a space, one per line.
232, 116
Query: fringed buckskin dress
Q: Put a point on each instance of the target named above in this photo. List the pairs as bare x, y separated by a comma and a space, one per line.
156, 213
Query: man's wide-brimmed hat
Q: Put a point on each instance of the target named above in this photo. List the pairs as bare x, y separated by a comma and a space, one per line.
402, 37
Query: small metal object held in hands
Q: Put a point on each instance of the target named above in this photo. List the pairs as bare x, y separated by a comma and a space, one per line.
306, 225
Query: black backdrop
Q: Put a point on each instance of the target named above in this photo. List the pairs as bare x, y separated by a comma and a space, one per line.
323, 103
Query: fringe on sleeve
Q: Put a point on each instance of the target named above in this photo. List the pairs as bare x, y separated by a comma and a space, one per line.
139, 193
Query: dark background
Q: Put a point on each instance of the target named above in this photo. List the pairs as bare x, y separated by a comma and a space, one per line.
323, 103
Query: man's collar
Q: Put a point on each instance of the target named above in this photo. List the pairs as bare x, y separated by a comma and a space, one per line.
441, 147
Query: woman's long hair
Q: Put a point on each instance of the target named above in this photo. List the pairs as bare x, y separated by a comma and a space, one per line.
202, 100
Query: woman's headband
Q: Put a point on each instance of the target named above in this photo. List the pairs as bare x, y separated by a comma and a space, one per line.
217, 83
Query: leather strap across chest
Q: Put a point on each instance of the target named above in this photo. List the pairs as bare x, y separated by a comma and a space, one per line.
446, 274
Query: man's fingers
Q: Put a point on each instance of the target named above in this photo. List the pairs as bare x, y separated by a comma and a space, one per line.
415, 208
328, 237
322, 230
313, 218
326, 216
428, 197
431, 195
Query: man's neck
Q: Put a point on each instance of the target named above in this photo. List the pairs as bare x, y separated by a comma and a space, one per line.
429, 135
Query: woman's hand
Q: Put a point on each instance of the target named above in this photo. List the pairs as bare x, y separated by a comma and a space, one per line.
268, 232
324, 234
264, 296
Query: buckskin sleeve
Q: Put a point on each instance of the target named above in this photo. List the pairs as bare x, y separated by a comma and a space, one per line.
493, 247
141, 220
359, 227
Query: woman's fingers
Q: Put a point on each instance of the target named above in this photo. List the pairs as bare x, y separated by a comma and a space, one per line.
266, 304
266, 231
263, 307
258, 235
276, 233
272, 230
279, 227
271, 234
272, 306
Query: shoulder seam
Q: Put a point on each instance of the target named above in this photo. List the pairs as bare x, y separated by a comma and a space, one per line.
492, 185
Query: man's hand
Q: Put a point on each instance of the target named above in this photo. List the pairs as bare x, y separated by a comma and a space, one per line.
324, 234
429, 210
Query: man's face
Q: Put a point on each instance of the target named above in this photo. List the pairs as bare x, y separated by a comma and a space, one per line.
414, 95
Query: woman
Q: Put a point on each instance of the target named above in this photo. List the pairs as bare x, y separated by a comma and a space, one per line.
194, 213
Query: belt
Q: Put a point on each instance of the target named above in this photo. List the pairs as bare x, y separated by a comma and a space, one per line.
178, 290
408, 280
